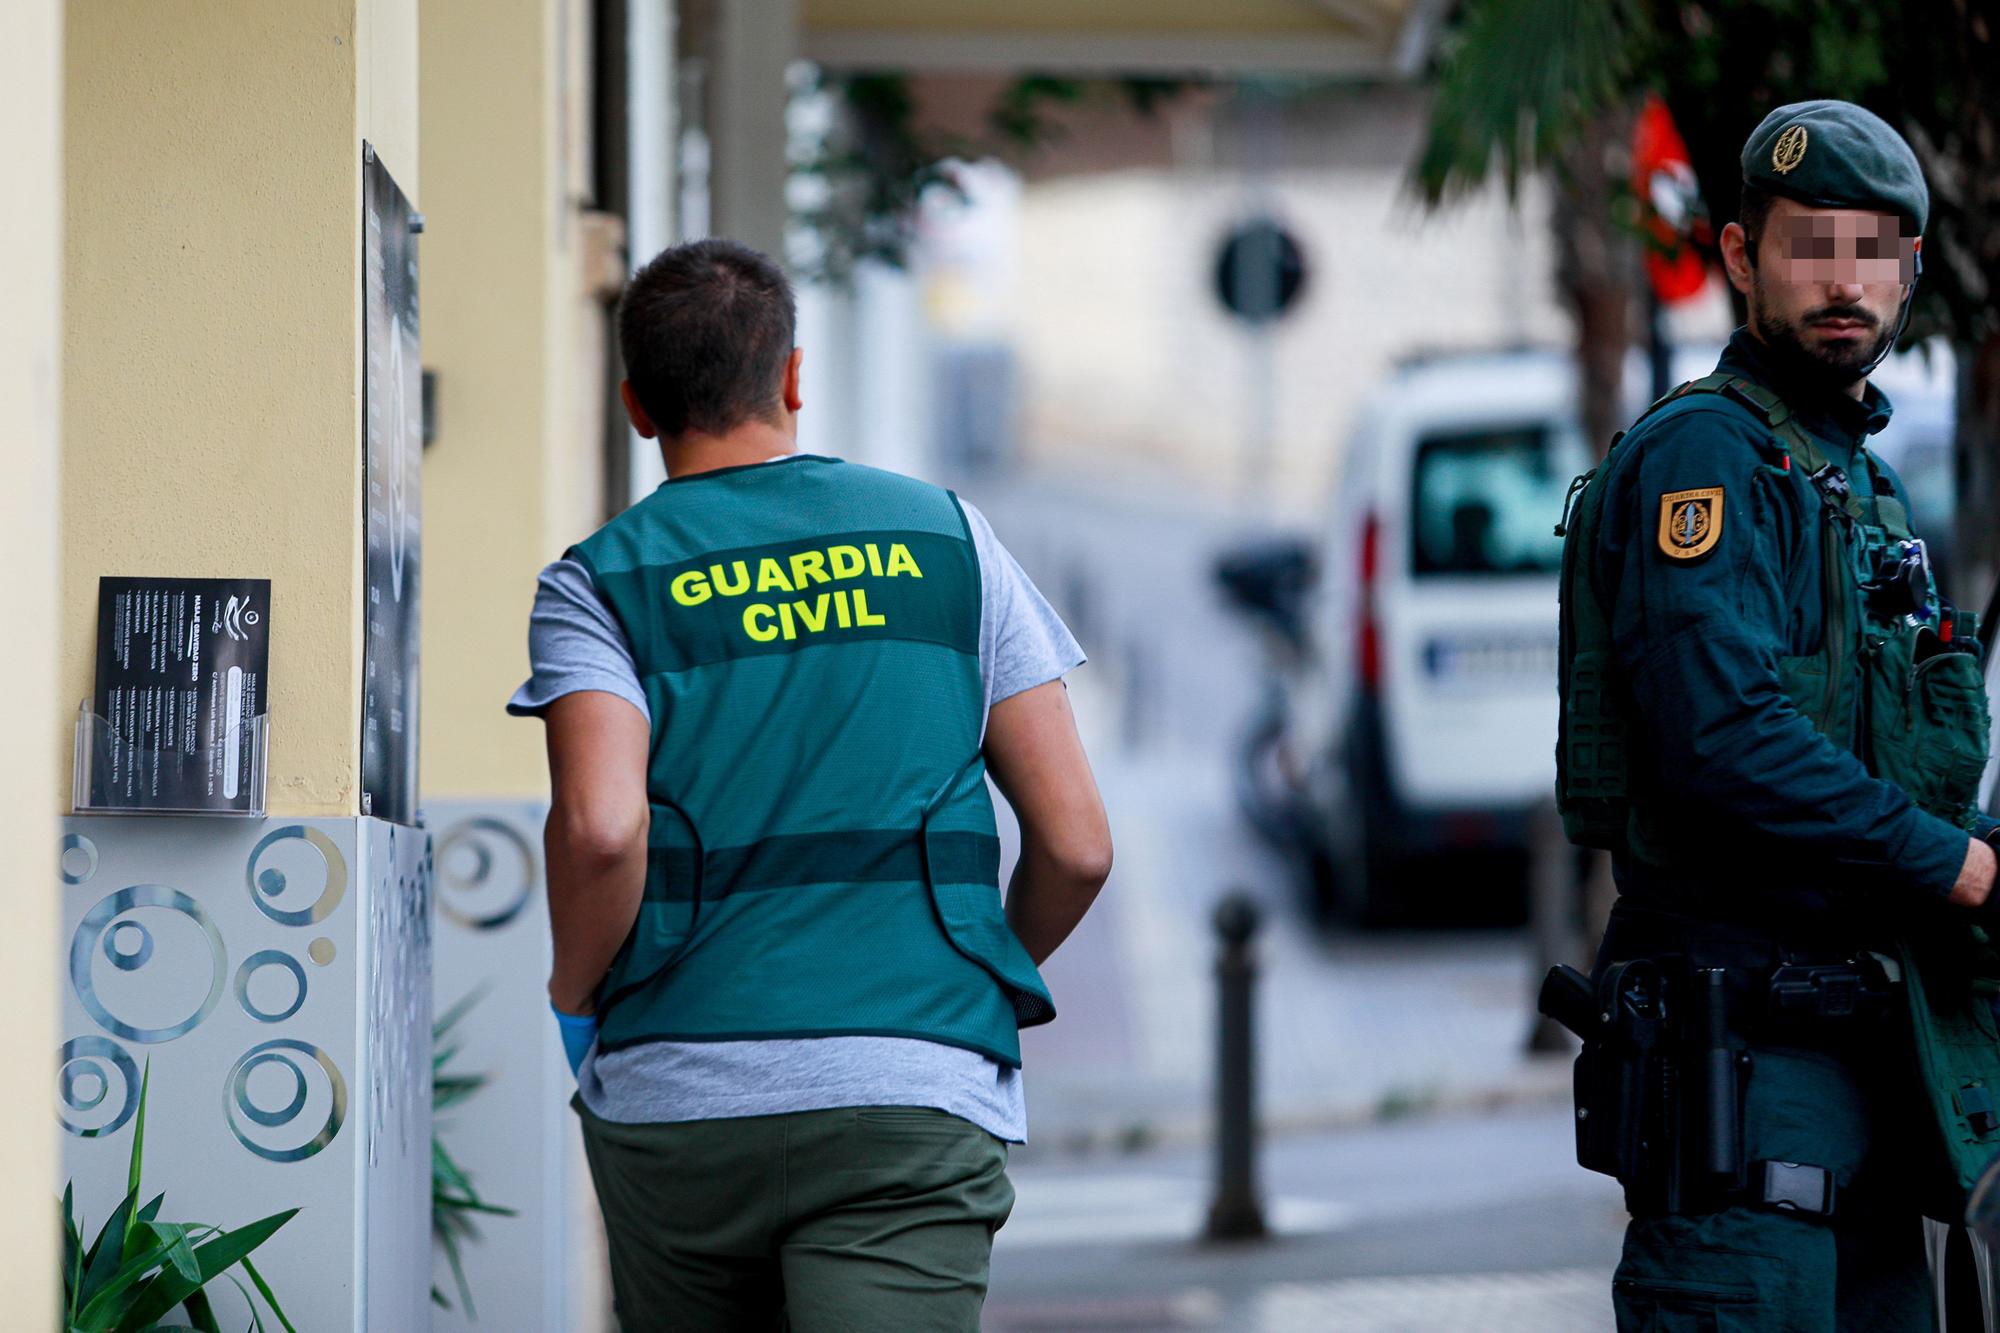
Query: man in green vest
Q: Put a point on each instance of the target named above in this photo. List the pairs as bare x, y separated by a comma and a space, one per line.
783, 970
1778, 727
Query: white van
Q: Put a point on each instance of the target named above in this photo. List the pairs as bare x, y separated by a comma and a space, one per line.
1437, 618
1436, 609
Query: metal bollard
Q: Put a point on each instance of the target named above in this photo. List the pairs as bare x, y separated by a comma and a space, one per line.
1237, 1212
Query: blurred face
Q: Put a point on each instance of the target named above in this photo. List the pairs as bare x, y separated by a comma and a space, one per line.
1827, 286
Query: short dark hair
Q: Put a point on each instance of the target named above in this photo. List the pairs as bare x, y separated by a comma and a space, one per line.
705, 329
1752, 211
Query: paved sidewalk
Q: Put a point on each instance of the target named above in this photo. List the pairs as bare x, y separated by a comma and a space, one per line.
1447, 1223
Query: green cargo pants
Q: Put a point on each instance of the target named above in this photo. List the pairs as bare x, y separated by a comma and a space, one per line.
1756, 1267
845, 1221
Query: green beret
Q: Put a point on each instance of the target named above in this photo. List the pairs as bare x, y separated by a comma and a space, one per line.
1836, 155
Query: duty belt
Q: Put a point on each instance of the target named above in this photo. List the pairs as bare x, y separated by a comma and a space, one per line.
1659, 1084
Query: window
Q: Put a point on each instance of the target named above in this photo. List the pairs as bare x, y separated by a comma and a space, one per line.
1487, 501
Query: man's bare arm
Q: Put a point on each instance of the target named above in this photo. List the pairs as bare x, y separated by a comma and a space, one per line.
1037, 759
595, 839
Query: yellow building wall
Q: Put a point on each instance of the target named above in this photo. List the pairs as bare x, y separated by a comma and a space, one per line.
212, 394
30, 399
513, 476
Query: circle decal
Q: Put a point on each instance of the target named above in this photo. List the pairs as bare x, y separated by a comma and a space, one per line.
137, 936
101, 924
237, 1105
486, 873
270, 958
320, 951
270, 883
270, 1119
83, 1079
77, 861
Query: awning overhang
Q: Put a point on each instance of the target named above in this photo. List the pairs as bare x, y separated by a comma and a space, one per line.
1364, 39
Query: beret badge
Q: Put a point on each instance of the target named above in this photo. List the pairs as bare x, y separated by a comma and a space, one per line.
1789, 150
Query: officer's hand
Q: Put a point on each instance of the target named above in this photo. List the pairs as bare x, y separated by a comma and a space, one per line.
579, 1033
1975, 877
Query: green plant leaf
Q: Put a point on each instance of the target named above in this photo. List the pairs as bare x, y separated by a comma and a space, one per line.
201, 1315
180, 1255
454, 1200
264, 1288
108, 1253
451, 1255
139, 1131
170, 1289
445, 1173
107, 1299
75, 1285
256, 1320
72, 1256
460, 1205
446, 1021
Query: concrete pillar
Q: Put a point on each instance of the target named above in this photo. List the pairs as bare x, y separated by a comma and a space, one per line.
654, 163
214, 401
514, 331
30, 399
752, 47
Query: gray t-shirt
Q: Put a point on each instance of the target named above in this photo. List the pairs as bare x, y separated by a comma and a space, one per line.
574, 643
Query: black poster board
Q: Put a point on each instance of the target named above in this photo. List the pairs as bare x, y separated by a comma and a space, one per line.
183, 672
393, 403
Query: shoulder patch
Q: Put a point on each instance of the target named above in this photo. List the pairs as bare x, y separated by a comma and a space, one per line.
1690, 522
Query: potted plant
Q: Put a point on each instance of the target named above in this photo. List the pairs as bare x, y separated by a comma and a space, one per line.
139, 1269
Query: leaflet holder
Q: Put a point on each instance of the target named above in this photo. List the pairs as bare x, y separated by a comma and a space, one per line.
114, 773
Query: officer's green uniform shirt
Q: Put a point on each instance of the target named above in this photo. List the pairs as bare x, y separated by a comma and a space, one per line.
1782, 822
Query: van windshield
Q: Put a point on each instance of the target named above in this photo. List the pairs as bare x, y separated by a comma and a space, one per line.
1487, 501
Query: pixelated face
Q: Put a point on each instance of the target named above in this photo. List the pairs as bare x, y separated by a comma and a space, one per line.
1841, 246
1829, 283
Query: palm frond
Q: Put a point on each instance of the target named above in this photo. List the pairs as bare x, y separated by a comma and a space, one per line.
1520, 78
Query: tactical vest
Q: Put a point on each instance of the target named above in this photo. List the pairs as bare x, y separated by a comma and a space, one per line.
822, 858
1903, 688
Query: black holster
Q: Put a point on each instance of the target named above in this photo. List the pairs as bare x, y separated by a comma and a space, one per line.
1660, 1080
1658, 1098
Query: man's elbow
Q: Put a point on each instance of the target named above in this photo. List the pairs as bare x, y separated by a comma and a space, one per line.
598, 834
1084, 861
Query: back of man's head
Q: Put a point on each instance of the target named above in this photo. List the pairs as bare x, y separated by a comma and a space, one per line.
706, 329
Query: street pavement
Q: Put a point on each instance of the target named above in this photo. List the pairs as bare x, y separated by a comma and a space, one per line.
1428, 1225
1418, 1163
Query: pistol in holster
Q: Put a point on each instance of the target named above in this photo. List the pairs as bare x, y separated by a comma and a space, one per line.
1658, 1098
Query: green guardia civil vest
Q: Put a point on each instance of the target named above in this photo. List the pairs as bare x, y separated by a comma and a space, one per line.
1912, 707
822, 858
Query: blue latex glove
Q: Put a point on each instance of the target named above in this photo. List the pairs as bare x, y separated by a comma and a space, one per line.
579, 1032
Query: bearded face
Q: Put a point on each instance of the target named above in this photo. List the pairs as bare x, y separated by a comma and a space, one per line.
1833, 343
1828, 287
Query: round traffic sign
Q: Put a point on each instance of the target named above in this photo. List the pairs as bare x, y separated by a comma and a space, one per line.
1260, 271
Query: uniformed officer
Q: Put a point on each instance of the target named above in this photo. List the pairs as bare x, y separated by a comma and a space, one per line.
782, 967
1777, 727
